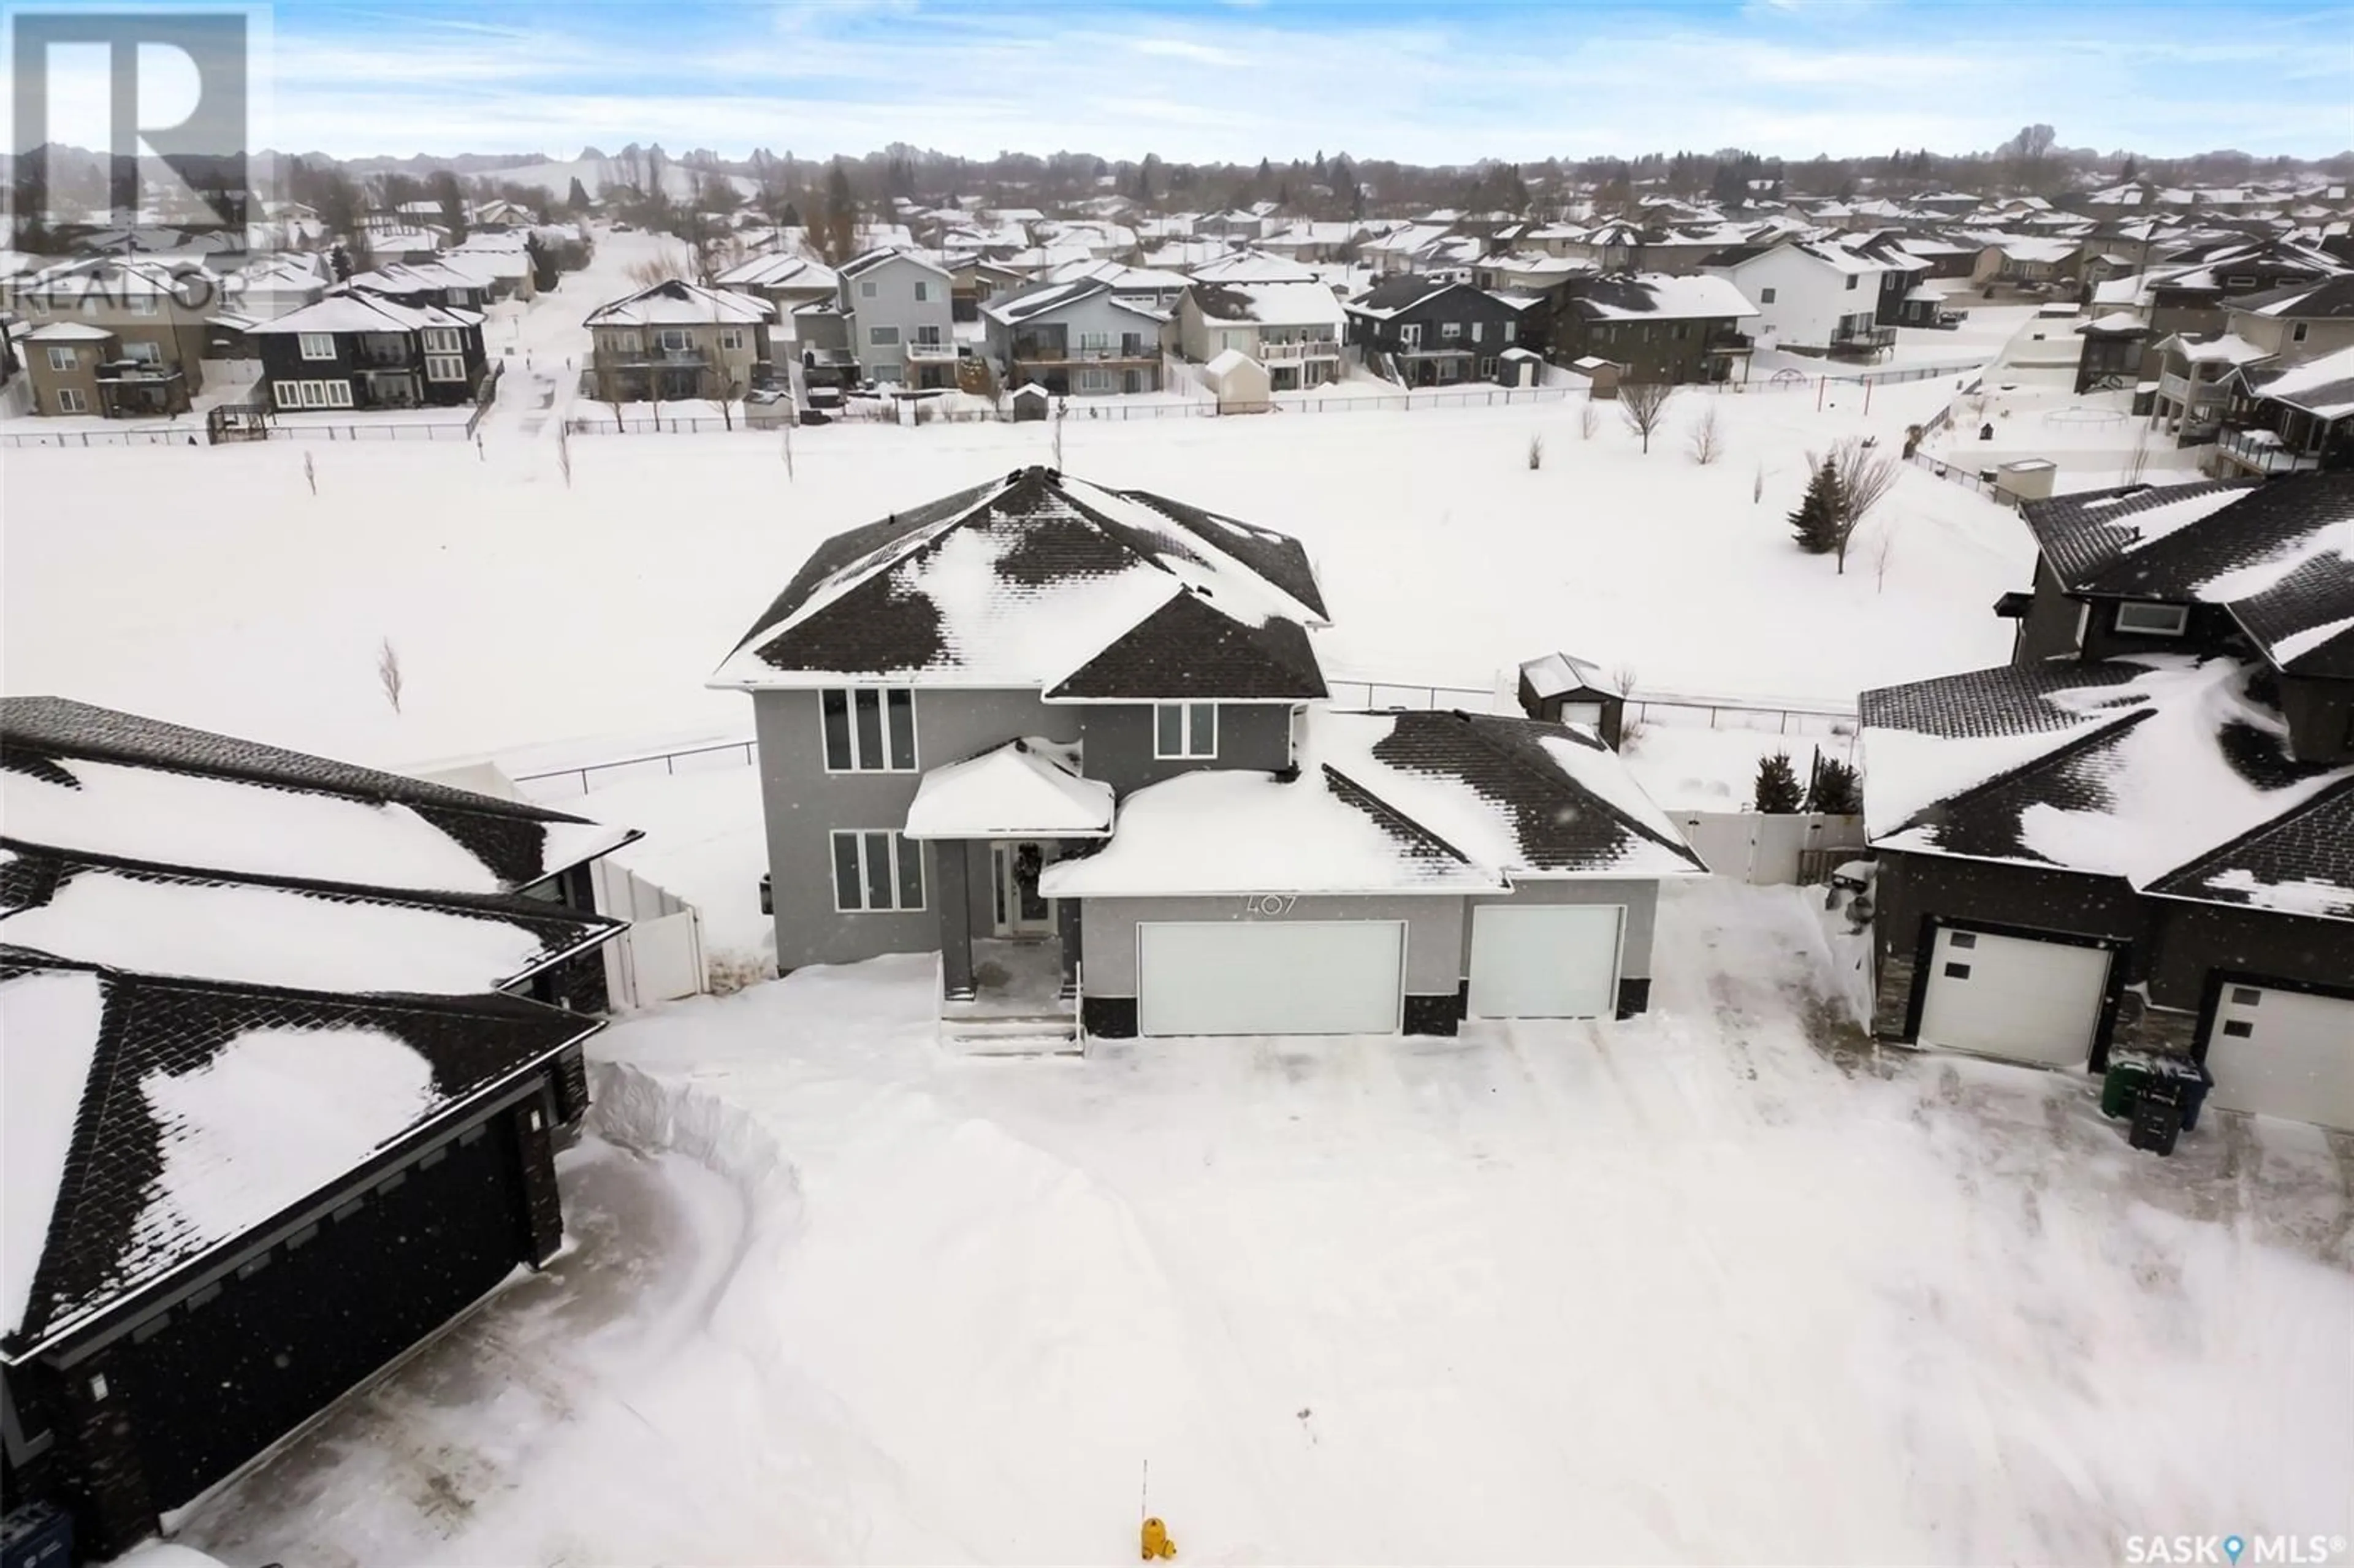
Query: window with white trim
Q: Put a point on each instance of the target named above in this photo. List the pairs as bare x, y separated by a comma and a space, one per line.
71, 401
317, 344
143, 304
1512, 331
883, 337
1096, 381
2296, 330
1410, 334
1094, 341
1852, 280
63, 358
1764, 296
312, 393
927, 337
876, 870
868, 729
923, 292
143, 353
731, 339
866, 287
1187, 730
443, 340
2148, 617
673, 340
1450, 329
445, 367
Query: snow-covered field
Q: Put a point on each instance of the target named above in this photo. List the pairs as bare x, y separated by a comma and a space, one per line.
1696, 1288
209, 586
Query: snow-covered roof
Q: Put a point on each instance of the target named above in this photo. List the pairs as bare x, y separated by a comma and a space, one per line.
1030, 787
346, 309
677, 303
67, 332
1041, 579
2115, 321
1270, 304
882, 255
1251, 267
1655, 296
1556, 674
1390, 802
2322, 387
778, 270
2227, 348
1226, 362
2151, 768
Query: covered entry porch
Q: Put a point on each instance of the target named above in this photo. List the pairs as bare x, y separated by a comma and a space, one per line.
1010, 957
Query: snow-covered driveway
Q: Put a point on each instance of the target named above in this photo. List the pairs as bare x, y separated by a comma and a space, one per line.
1698, 1286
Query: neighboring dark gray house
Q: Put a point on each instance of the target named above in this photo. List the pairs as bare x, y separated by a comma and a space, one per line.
286, 1046
1074, 739
1435, 332
2141, 832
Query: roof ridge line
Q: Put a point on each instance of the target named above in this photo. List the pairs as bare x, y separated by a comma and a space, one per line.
2067, 749
1374, 806
1530, 770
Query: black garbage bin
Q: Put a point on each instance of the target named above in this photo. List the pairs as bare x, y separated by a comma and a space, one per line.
2191, 1080
2157, 1116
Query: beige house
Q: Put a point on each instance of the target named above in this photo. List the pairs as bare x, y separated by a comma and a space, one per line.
1292, 329
118, 339
678, 340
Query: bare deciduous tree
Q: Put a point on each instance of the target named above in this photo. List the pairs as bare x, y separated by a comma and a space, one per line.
1536, 452
1589, 417
1866, 475
1061, 409
1884, 550
387, 672
2136, 462
1644, 406
310, 475
1707, 437
1757, 486
789, 422
564, 453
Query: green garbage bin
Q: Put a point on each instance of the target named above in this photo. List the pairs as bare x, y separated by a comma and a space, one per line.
2128, 1071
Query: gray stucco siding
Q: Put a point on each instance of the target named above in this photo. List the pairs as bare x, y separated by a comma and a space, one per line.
1118, 737
1433, 936
803, 805
1639, 896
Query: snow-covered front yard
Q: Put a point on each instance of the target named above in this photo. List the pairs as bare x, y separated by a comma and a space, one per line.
1699, 1287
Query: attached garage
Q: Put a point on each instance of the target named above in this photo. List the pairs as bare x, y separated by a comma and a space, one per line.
1270, 977
1545, 960
2019, 998
2281, 1053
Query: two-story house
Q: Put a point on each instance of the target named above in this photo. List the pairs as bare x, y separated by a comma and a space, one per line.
358, 350
675, 340
1075, 740
903, 319
1434, 332
121, 339
432, 282
2283, 413
1079, 337
1675, 330
2137, 832
1292, 329
1808, 294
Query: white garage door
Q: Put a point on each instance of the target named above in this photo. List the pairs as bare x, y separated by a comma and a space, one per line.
1557, 960
2283, 1053
1270, 977
2013, 997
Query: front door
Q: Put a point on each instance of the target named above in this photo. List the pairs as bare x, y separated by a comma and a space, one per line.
1020, 909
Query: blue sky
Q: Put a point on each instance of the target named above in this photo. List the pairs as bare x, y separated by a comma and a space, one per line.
1422, 81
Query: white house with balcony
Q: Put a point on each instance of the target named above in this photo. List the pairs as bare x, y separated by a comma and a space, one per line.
1809, 294
1293, 329
676, 340
902, 316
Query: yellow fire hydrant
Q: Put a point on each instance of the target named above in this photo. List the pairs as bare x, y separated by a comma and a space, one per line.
1156, 1541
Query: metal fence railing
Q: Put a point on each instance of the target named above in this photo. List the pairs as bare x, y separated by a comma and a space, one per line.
640, 765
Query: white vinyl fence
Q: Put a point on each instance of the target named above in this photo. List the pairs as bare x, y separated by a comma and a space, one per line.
1767, 850
660, 957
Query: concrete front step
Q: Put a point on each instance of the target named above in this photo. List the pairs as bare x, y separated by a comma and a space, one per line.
1044, 1034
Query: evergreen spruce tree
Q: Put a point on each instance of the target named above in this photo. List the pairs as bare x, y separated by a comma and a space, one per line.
1777, 784
1815, 524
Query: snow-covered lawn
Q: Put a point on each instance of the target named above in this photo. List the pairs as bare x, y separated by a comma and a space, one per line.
1693, 1288
209, 586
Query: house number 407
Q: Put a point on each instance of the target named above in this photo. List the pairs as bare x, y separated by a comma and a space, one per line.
1270, 902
